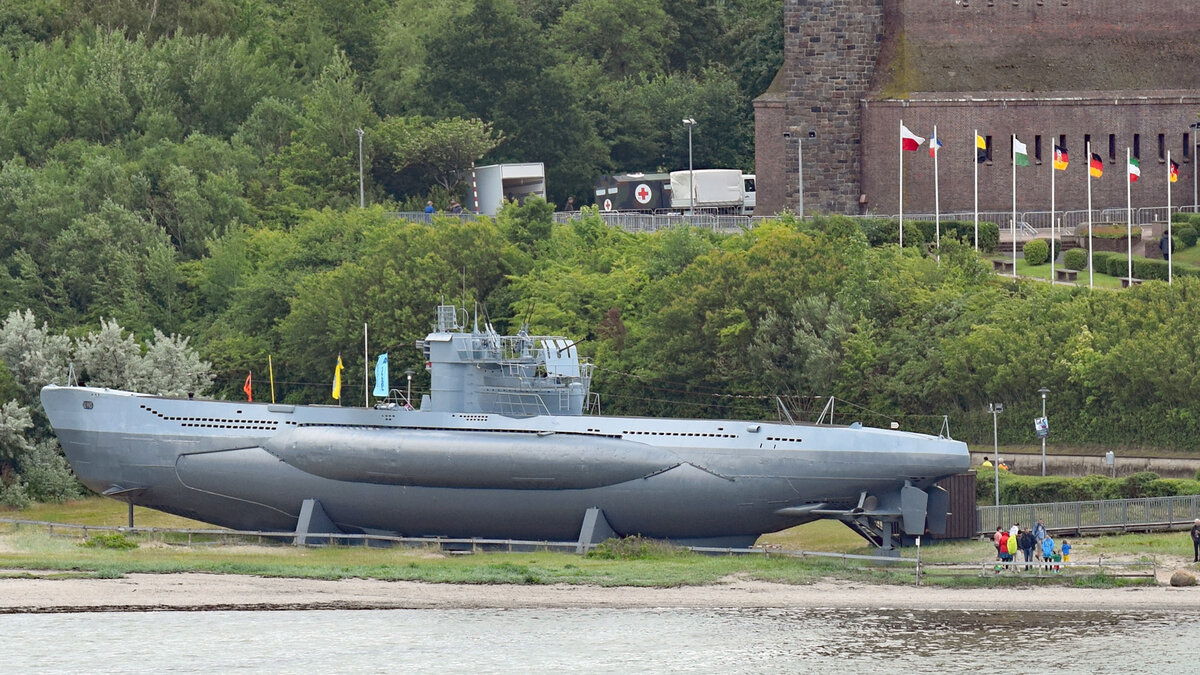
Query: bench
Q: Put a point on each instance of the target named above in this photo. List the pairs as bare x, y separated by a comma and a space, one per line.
1126, 282
1002, 266
1064, 274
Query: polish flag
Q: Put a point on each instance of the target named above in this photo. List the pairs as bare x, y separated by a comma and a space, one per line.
909, 140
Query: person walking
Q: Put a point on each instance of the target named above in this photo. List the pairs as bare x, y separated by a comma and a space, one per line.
996, 540
1196, 541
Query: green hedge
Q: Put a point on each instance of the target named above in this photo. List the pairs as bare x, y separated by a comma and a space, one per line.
1075, 259
1185, 234
1042, 489
881, 231
1036, 251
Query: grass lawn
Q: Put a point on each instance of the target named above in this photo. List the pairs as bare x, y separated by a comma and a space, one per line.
1043, 272
98, 510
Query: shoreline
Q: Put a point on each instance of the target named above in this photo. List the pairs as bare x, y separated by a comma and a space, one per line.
216, 592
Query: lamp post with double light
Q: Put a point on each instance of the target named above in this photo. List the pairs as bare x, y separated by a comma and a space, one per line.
689, 123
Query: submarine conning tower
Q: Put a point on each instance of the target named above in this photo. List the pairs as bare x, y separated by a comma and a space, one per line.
515, 375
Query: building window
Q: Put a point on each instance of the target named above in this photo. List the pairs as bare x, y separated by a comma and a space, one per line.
1062, 141
1162, 147
1137, 146
1037, 149
1187, 146
1112, 147
1087, 145
988, 141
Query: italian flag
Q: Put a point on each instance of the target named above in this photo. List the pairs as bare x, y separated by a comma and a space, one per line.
1134, 170
1020, 154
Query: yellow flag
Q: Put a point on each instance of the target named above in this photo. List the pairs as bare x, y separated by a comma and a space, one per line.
337, 379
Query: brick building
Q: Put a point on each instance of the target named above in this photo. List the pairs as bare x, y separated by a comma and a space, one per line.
1120, 74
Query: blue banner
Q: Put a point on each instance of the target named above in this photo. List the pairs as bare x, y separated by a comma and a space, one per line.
381, 376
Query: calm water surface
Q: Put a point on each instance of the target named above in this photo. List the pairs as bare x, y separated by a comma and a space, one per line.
602, 640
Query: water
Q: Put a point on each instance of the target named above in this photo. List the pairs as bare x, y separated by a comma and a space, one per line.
602, 641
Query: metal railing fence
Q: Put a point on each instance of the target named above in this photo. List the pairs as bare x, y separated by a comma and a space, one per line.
1031, 223
1143, 514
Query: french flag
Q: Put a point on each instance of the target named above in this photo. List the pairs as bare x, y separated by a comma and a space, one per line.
908, 140
935, 144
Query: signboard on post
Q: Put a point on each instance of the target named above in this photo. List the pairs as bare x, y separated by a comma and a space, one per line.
1042, 426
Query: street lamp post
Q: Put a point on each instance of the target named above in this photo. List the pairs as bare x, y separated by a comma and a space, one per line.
408, 396
1043, 391
361, 197
996, 409
689, 123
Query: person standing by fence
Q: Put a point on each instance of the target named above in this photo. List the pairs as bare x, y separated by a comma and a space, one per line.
1196, 541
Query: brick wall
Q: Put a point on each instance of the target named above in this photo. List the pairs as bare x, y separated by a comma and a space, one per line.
830, 49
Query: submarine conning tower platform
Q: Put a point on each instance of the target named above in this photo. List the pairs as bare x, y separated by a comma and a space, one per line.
518, 375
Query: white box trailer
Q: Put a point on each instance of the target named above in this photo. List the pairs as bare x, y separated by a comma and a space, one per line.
496, 182
714, 189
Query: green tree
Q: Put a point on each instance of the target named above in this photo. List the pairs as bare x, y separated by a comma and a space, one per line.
438, 151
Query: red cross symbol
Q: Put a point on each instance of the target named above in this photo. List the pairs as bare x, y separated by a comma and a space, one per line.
642, 194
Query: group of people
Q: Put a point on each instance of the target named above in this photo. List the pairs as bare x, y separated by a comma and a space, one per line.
455, 207
1035, 545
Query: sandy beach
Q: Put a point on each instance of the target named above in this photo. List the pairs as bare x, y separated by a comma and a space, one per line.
197, 592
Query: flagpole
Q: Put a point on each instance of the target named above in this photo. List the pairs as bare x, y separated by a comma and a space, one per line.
1129, 217
1013, 224
271, 370
901, 186
1053, 170
1091, 268
975, 142
366, 358
937, 207
1170, 241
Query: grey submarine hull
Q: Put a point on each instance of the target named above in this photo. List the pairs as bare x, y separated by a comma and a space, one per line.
253, 466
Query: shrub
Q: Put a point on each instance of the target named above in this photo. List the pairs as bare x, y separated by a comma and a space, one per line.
1100, 260
116, 541
1186, 234
1075, 259
1146, 268
1037, 252
989, 236
1135, 486
635, 547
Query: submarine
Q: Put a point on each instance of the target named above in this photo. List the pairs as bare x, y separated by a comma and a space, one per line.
506, 445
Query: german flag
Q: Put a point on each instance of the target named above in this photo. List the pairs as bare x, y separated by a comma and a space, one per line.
1174, 172
1060, 158
1097, 166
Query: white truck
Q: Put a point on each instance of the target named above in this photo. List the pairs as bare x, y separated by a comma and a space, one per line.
713, 189
496, 182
